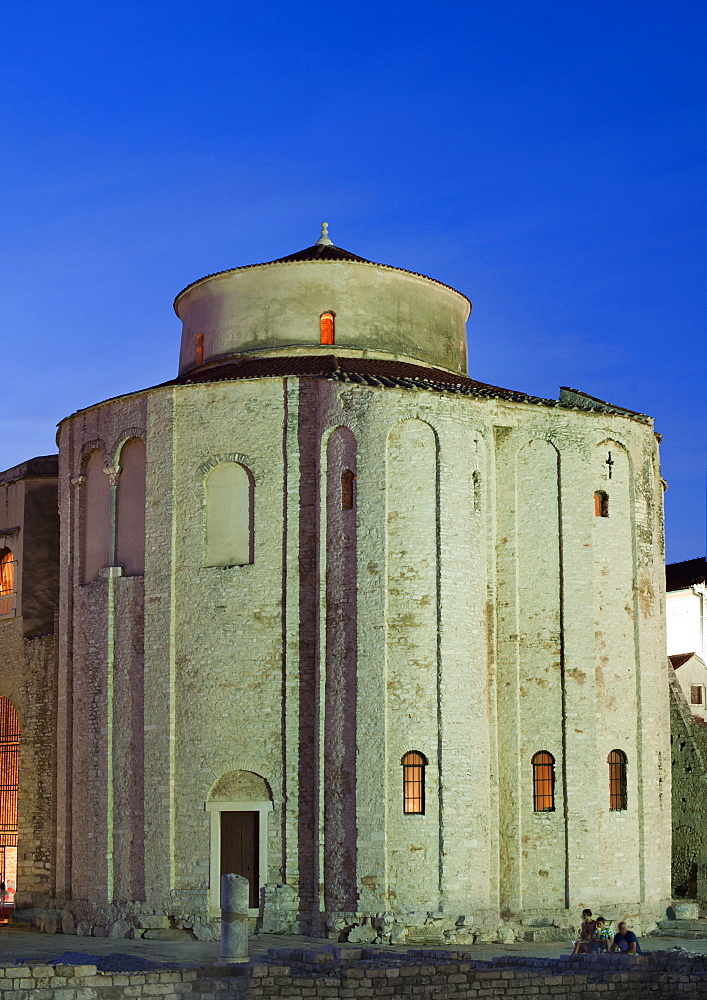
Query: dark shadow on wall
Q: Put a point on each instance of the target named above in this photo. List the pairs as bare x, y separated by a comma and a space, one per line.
341, 680
688, 738
309, 707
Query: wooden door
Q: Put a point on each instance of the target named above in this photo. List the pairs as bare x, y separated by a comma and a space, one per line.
240, 849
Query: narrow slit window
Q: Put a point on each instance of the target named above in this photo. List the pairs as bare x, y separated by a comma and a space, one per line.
476, 487
618, 790
414, 783
199, 352
601, 504
326, 328
348, 489
543, 782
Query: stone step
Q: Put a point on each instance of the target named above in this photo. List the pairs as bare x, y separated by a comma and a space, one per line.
683, 925
685, 935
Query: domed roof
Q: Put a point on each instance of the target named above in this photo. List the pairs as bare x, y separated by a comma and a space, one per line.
322, 250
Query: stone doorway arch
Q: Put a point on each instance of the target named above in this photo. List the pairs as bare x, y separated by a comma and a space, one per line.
239, 804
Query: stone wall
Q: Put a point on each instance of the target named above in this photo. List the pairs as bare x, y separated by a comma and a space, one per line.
494, 617
689, 763
27, 680
288, 975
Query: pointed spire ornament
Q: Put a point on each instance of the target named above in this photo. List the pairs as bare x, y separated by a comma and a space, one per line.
324, 238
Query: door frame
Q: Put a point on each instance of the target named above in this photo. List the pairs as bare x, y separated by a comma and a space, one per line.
215, 807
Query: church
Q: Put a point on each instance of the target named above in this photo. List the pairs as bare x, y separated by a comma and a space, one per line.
327, 612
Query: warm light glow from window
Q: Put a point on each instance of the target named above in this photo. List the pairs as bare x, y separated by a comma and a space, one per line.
414, 783
326, 328
601, 504
617, 781
7, 582
543, 782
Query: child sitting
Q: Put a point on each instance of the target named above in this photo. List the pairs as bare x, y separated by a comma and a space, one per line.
601, 938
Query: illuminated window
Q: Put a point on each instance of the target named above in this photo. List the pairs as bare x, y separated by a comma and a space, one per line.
601, 504
543, 782
9, 783
414, 783
8, 596
199, 348
617, 781
326, 328
348, 486
697, 694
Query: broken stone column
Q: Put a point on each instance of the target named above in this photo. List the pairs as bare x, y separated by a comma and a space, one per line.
234, 919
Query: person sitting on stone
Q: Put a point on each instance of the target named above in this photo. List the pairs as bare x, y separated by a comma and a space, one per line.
584, 942
625, 941
601, 939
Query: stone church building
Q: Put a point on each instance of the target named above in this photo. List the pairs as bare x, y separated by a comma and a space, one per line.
334, 615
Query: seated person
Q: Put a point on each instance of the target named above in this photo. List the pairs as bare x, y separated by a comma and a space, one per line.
625, 941
584, 943
601, 939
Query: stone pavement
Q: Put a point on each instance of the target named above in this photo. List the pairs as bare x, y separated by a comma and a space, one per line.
16, 944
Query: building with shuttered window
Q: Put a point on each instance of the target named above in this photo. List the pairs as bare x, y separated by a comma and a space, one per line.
333, 614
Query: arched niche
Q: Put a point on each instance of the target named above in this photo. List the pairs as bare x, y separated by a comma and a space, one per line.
96, 517
229, 516
130, 508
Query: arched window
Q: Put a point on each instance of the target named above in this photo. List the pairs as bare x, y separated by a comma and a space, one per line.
130, 508
543, 782
326, 328
199, 350
9, 784
229, 516
348, 488
618, 790
8, 596
414, 782
601, 504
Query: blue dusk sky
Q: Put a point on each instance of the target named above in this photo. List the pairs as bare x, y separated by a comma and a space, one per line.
545, 158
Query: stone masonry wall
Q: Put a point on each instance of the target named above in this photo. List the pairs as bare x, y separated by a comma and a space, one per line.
442, 976
26, 678
689, 763
495, 618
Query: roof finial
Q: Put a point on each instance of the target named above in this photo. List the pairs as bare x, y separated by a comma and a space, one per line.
324, 238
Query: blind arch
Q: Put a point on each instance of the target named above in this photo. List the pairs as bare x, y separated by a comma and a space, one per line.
229, 516
130, 508
96, 518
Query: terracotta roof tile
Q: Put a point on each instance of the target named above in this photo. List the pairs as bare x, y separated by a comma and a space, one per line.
358, 371
681, 575
677, 659
318, 252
